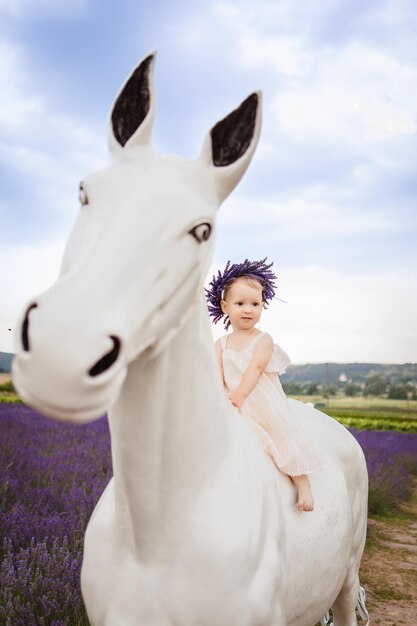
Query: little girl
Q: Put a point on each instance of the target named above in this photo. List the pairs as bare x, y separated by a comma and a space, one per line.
249, 362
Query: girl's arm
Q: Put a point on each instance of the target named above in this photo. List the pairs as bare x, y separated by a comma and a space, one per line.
260, 359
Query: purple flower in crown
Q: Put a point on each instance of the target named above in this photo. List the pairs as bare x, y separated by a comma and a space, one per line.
258, 270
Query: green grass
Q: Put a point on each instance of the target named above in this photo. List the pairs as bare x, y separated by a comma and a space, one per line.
8, 392
379, 412
360, 402
368, 413
408, 426
10, 397
388, 593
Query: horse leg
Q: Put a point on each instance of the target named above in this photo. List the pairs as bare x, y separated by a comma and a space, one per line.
343, 608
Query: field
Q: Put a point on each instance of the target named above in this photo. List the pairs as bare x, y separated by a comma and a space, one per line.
371, 402
368, 413
54, 473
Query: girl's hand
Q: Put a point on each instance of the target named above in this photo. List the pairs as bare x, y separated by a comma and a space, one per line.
237, 399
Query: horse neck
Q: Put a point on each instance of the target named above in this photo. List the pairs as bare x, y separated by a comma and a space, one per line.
170, 434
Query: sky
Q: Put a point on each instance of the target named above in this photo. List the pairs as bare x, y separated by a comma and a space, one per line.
330, 196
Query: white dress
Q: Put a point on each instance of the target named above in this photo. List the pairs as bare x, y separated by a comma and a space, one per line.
269, 412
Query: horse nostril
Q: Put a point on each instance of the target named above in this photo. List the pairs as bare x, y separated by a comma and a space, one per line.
108, 359
25, 328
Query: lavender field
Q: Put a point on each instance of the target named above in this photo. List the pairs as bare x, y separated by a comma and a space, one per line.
52, 476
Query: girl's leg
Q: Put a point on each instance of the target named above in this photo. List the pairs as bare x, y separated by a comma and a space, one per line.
305, 497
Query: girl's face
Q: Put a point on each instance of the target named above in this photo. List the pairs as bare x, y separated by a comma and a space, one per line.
243, 304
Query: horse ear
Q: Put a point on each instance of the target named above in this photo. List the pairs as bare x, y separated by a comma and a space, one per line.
131, 119
229, 146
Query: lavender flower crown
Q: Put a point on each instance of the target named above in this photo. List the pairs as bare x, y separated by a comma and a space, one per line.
258, 270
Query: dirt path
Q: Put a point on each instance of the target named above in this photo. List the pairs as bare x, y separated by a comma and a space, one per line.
4, 377
389, 568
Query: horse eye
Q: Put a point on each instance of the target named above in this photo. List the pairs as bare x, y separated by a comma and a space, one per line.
201, 232
82, 196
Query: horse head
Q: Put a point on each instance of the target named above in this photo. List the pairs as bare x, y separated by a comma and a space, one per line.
136, 259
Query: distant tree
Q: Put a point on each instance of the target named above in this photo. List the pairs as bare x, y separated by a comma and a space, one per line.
414, 394
397, 392
329, 390
375, 386
312, 389
352, 390
293, 389
405, 379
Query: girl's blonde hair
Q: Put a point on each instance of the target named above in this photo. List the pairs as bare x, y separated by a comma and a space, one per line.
252, 282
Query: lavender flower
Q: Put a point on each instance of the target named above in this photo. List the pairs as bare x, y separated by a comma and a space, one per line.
52, 476
391, 458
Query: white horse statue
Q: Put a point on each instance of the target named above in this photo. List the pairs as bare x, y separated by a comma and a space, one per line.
197, 527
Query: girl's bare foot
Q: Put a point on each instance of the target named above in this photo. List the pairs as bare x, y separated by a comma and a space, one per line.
305, 497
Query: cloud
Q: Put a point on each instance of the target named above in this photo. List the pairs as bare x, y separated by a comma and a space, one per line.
16, 108
312, 213
25, 271
346, 89
43, 153
331, 181
339, 98
355, 94
314, 227
27, 114
25, 9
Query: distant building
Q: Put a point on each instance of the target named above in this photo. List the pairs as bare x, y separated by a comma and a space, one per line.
343, 378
